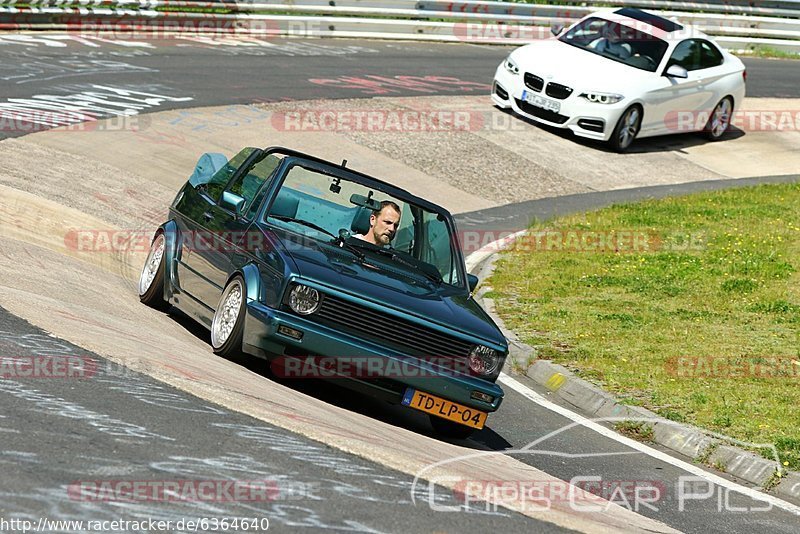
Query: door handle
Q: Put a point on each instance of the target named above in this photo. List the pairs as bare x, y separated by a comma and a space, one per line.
208, 216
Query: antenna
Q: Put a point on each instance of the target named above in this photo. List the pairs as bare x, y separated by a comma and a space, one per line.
344, 163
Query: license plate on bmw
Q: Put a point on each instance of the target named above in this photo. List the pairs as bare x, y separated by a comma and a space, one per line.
425, 402
541, 102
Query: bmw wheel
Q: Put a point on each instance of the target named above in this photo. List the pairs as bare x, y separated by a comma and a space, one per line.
151, 281
228, 322
627, 129
720, 119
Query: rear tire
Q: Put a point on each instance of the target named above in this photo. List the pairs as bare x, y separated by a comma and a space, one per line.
151, 281
449, 429
227, 325
720, 119
626, 130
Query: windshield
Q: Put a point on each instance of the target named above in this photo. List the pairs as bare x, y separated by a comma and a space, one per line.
617, 42
400, 235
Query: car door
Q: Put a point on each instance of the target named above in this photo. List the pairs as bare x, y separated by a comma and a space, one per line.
234, 243
673, 103
196, 223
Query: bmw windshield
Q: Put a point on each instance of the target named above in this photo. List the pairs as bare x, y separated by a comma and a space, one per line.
617, 42
373, 225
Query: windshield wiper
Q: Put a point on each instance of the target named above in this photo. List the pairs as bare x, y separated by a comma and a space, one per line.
337, 239
399, 259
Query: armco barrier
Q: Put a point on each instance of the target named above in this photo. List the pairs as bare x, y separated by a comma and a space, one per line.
735, 24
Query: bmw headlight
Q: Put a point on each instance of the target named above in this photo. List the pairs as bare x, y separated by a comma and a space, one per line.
602, 98
304, 300
511, 65
483, 360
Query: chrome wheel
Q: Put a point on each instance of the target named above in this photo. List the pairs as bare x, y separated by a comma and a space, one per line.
629, 129
227, 313
720, 118
151, 266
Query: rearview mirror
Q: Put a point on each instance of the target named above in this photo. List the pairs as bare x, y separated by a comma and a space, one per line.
472, 282
233, 202
556, 29
676, 71
365, 202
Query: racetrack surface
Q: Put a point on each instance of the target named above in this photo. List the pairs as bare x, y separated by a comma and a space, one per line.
106, 180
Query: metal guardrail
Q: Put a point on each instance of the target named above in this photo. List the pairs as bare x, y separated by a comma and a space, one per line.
736, 24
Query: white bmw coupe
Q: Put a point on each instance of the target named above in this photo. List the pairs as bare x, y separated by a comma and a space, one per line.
619, 75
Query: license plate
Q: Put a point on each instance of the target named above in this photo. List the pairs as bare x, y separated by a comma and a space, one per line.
541, 102
425, 402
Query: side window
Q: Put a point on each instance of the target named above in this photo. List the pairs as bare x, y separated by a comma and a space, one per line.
687, 55
249, 183
221, 178
709, 55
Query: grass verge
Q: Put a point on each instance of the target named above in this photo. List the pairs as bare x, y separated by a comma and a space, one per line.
688, 306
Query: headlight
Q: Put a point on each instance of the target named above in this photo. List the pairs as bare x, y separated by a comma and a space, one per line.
511, 65
603, 98
304, 300
483, 360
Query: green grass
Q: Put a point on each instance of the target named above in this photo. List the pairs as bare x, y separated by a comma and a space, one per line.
715, 278
771, 52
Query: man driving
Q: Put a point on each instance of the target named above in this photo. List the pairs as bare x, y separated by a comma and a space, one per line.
383, 224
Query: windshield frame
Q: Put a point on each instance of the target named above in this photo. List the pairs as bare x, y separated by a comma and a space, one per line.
329, 169
634, 30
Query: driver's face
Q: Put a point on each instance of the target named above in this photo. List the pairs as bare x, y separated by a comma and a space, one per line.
384, 225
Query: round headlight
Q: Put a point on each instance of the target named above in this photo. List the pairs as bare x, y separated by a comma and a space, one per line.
304, 300
483, 360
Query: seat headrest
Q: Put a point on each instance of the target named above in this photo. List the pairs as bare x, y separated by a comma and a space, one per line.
360, 224
285, 205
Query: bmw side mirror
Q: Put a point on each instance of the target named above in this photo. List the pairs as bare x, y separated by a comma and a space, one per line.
676, 71
232, 202
472, 282
556, 29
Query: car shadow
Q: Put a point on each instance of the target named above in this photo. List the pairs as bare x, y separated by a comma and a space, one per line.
660, 143
328, 391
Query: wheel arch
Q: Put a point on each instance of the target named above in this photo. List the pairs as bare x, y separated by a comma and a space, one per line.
171, 255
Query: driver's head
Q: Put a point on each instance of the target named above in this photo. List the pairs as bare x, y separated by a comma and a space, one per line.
610, 33
383, 223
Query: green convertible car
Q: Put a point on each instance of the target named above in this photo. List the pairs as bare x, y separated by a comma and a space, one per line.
330, 273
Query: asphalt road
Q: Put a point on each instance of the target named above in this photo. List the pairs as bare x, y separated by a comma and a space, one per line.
65, 438
51, 435
214, 71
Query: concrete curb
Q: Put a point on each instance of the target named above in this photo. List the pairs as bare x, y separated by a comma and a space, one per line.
688, 441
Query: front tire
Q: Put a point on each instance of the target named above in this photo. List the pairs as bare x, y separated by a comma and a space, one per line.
227, 325
627, 129
720, 119
449, 429
151, 281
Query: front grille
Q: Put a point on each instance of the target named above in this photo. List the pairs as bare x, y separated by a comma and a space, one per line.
556, 90
533, 82
500, 92
400, 334
541, 113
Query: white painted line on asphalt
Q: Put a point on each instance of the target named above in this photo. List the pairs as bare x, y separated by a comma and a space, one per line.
531, 395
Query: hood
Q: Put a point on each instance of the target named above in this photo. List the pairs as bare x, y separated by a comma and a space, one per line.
384, 282
579, 69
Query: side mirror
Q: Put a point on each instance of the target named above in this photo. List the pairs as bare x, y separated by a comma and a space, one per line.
676, 71
233, 202
556, 29
472, 282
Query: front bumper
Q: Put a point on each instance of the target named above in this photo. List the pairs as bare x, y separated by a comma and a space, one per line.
261, 332
584, 118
